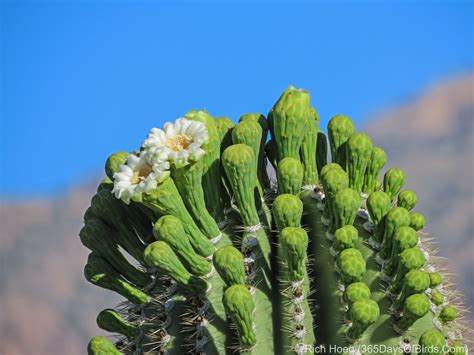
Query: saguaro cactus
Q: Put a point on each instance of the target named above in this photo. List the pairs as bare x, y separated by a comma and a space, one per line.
211, 257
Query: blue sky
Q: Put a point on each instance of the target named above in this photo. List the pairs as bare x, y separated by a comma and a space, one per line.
83, 79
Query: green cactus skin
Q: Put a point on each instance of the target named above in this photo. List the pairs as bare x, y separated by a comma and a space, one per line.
290, 120
290, 176
377, 161
321, 151
340, 128
308, 148
338, 264
358, 153
212, 172
101, 346
407, 199
393, 181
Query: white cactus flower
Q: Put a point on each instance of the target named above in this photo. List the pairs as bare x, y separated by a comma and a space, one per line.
180, 141
139, 176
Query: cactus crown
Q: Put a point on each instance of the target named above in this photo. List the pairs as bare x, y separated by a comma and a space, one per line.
214, 255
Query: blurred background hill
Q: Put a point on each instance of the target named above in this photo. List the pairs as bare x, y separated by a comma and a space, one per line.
44, 292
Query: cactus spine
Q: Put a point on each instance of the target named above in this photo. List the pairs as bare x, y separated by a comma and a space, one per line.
223, 260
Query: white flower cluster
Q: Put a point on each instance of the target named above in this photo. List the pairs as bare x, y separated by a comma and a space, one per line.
178, 144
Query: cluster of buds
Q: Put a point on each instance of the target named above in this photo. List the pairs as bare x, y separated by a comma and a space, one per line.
223, 239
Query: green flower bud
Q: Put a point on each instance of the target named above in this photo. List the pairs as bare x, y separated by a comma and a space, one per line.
308, 149
229, 263
432, 342
363, 313
378, 185
396, 218
256, 117
290, 176
249, 133
294, 242
351, 268
393, 181
407, 199
410, 259
346, 205
100, 273
238, 162
113, 163
435, 279
437, 298
415, 307
262, 121
290, 119
111, 321
350, 252
105, 206
211, 163
405, 237
239, 306
415, 281
356, 291
417, 221
321, 151
99, 238
340, 128
378, 205
101, 346
165, 199
224, 126
345, 237
287, 210
457, 348
377, 161
448, 314
359, 150
161, 256
169, 229
333, 179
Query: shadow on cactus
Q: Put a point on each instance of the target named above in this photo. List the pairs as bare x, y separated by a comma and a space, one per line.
213, 255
